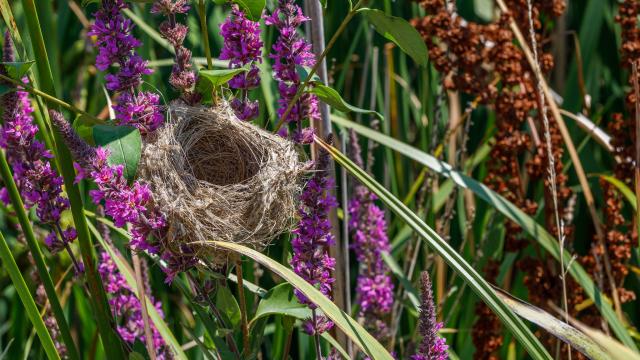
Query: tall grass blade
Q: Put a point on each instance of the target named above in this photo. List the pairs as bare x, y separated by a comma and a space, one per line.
528, 224
449, 255
9, 263
349, 326
112, 344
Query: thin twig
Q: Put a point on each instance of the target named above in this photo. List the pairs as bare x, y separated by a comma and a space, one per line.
148, 335
243, 308
552, 171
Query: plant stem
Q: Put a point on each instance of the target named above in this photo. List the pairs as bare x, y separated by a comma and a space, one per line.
9, 263
316, 336
319, 61
50, 98
202, 10
112, 344
243, 308
148, 335
43, 271
636, 89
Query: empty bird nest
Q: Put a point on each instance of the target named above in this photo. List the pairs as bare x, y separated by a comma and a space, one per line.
215, 177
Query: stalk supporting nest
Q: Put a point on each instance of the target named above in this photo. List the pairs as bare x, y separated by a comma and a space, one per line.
217, 178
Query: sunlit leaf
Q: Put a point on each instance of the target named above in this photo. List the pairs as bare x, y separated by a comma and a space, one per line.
124, 144
333, 99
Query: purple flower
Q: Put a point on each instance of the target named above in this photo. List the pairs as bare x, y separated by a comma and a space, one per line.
39, 184
432, 346
242, 46
117, 45
313, 236
290, 51
374, 286
126, 307
182, 77
124, 203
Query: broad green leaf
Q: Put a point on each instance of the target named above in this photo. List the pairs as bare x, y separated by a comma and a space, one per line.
400, 32
16, 70
475, 281
333, 99
83, 125
125, 269
360, 337
623, 188
280, 300
563, 331
227, 304
218, 77
252, 8
124, 144
528, 224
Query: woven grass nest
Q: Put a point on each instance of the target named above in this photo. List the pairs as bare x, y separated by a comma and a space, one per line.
218, 178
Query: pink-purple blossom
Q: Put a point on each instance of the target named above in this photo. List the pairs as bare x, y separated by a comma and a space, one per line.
242, 47
182, 77
126, 307
432, 346
117, 45
313, 237
124, 203
39, 184
290, 52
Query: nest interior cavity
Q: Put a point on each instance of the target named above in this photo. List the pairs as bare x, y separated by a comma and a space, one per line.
215, 177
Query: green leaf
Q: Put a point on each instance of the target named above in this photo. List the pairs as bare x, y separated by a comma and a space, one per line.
528, 224
252, 8
333, 99
563, 331
83, 125
475, 281
125, 269
136, 356
209, 80
360, 337
228, 306
16, 70
400, 32
280, 300
124, 144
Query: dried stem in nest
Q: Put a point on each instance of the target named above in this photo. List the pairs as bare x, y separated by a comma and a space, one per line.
217, 178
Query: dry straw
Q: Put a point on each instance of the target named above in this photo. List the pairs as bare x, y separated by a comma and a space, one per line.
217, 178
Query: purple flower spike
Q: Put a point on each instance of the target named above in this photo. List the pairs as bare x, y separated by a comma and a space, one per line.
290, 51
242, 46
182, 77
39, 184
126, 307
313, 236
117, 45
432, 346
126, 204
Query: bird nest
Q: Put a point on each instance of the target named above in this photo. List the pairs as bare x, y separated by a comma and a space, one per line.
215, 177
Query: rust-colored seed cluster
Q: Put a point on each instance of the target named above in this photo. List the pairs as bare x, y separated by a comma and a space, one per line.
484, 61
620, 232
488, 338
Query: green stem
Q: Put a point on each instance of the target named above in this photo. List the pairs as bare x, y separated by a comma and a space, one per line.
202, 10
111, 343
9, 263
51, 99
43, 272
315, 67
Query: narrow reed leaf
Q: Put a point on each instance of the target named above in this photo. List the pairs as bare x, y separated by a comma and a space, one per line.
349, 326
480, 286
9, 263
112, 344
506, 208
